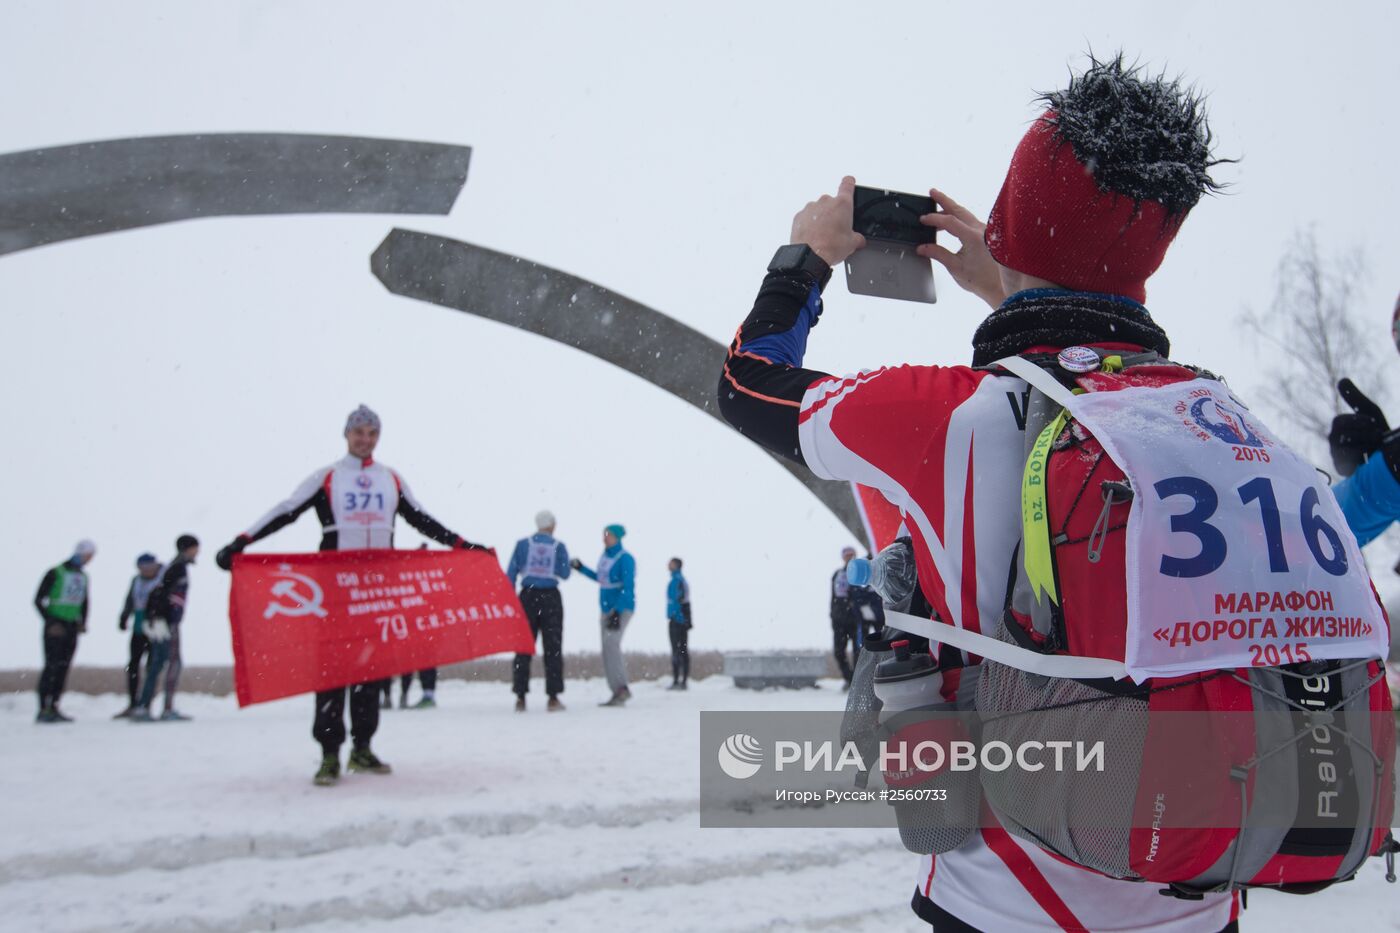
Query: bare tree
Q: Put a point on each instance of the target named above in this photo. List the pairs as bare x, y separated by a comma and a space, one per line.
1317, 335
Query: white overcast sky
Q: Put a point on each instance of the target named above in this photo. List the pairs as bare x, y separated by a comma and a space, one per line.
186, 377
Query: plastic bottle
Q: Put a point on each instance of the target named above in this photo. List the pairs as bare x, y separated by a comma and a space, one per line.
892, 574
908, 681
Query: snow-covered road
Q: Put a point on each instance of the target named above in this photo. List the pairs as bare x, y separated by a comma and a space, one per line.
584, 821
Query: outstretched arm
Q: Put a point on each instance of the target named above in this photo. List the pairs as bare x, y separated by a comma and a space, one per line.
283, 514
287, 511
1370, 499
425, 524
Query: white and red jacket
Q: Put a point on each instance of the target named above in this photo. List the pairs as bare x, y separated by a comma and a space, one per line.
946, 446
356, 502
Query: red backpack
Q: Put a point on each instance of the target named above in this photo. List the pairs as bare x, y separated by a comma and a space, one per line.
1248, 747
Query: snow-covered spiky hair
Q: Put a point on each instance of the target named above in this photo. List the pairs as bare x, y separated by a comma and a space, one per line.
1145, 137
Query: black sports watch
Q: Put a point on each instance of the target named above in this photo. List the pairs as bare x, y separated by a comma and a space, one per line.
799, 257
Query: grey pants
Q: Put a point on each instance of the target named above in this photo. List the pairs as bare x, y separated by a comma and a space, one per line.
614, 667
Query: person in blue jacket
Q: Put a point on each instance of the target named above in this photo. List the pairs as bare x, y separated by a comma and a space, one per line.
544, 561
616, 575
1367, 452
679, 625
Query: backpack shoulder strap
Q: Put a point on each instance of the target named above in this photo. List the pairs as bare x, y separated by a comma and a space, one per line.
1038, 378
1023, 659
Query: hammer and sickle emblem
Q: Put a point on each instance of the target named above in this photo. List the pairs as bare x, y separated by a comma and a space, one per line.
303, 593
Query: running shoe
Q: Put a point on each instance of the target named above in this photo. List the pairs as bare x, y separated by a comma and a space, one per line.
362, 759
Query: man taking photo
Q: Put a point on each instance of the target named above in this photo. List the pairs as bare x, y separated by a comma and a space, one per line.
1097, 189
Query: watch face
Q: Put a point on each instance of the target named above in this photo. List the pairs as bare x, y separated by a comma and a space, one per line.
788, 258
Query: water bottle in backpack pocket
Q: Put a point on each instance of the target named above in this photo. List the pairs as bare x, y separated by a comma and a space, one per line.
936, 807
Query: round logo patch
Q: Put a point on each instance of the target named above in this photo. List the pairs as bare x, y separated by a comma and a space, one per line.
1079, 360
1226, 423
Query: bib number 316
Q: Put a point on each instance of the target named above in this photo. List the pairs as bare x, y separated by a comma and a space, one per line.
1323, 541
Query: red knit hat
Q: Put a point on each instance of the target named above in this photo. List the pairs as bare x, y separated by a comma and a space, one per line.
1052, 221
1100, 183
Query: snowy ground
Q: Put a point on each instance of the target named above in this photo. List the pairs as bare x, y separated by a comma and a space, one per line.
492, 821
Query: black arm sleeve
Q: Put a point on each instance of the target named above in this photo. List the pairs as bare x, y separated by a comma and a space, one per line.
45, 588
310, 492
281, 520
758, 397
426, 525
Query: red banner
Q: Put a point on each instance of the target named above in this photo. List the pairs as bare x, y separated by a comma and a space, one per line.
308, 622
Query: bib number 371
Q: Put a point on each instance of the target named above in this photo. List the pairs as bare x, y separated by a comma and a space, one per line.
1323, 541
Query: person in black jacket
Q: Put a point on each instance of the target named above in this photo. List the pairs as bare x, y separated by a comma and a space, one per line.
165, 610
845, 629
868, 615
134, 610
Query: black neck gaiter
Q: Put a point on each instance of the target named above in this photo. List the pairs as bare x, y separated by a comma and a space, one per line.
1046, 318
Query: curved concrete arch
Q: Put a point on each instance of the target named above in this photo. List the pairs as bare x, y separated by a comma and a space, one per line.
61, 193
579, 314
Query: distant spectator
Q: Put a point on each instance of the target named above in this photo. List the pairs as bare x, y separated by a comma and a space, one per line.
427, 679
134, 610
616, 576
165, 610
844, 627
62, 601
543, 561
679, 624
868, 615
